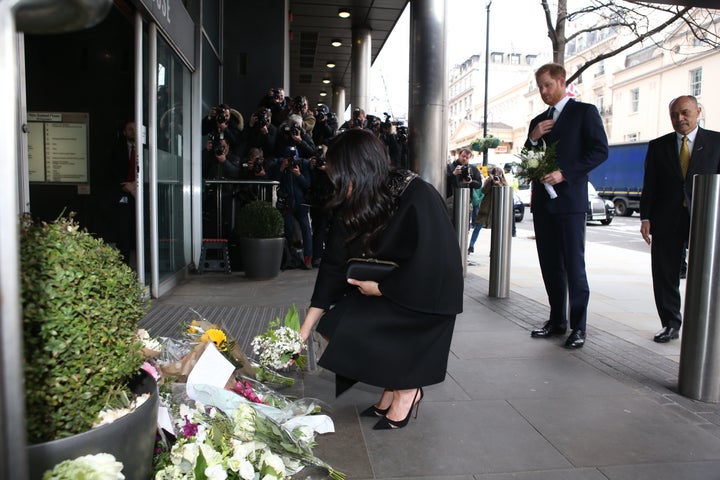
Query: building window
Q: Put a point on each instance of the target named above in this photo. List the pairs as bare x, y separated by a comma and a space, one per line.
600, 68
600, 104
496, 57
696, 82
634, 100
514, 59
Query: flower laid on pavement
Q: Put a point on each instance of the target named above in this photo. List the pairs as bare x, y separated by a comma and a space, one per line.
242, 444
101, 466
279, 348
536, 162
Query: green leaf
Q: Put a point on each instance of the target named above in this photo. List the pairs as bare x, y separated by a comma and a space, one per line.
292, 319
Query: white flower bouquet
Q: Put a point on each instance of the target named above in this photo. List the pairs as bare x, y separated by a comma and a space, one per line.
536, 162
243, 444
279, 348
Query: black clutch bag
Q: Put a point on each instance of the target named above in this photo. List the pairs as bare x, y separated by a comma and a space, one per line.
369, 269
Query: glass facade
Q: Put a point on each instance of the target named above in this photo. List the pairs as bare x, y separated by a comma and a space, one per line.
173, 160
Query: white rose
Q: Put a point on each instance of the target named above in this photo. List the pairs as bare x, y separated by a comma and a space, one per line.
533, 163
216, 472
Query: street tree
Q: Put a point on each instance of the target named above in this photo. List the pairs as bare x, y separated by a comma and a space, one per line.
635, 22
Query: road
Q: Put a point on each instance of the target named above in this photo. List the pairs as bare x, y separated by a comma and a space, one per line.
623, 232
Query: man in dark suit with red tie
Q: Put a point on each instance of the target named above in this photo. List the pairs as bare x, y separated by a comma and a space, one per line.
581, 145
670, 164
122, 189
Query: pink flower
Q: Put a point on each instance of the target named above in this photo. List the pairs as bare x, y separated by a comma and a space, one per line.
151, 370
244, 389
189, 429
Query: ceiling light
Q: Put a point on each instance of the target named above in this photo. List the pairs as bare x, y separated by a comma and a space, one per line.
343, 13
330, 64
336, 42
326, 81
323, 94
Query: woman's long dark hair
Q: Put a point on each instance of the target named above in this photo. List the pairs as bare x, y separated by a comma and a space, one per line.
359, 167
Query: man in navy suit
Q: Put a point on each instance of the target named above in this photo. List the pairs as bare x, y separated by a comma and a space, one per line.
559, 222
666, 200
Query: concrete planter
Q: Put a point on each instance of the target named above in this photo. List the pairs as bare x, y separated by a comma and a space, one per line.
130, 439
261, 257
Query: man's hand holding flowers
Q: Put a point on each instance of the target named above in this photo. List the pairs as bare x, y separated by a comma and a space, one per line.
540, 164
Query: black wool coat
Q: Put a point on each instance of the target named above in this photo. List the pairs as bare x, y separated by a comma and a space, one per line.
399, 340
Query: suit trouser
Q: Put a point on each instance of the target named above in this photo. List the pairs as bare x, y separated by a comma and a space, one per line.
560, 241
666, 251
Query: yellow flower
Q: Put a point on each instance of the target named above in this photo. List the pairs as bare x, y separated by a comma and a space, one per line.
191, 328
216, 336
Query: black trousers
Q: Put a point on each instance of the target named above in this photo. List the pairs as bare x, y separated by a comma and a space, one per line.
667, 252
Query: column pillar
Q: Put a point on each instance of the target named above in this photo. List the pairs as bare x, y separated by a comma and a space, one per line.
361, 59
338, 103
427, 112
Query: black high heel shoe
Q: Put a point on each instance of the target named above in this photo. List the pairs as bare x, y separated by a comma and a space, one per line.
387, 424
373, 411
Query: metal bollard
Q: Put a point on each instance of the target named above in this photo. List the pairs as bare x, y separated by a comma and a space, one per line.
500, 240
461, 207
699, 376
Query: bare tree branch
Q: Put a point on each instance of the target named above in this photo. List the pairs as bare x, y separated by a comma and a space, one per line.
629, 44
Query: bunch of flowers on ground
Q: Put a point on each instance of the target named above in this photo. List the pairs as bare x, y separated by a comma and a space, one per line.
101, 466
239, 444
536, 162
280, 347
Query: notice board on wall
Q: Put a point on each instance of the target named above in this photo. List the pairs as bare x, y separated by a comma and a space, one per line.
58, 145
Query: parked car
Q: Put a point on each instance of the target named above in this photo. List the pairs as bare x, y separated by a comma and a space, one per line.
518, 208
599, 209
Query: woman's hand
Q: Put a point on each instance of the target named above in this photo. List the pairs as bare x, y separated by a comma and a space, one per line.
311, 319
366, 287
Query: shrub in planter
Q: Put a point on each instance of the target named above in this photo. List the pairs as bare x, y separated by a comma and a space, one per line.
259, 219
81, 306
259, 227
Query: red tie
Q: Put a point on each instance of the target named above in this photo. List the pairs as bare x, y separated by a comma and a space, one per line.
131, 165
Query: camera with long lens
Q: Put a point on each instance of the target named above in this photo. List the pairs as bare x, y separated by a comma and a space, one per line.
263, 117
496, 178
291, 130
319, 158
275, 93
220, 116
217, 146
465, 173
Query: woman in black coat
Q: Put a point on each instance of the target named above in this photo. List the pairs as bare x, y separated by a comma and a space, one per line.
394, 333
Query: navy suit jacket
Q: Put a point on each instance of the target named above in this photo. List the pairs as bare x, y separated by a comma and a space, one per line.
581, 146
664, 188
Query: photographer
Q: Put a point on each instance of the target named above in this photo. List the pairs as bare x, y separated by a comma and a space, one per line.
358, 120
293, 174
254, 166
386, 132
293, 135
260, 132
321, 190
460, 174
218, 163
220, 124
300, 107
276, 102
483, 216
326, 125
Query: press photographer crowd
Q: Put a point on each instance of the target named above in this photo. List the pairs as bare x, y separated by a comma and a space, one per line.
284, 140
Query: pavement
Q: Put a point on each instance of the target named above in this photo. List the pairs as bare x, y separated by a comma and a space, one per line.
511, 407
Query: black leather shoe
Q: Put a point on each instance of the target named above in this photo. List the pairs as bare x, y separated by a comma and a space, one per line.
548, 330
575, 340
667, 334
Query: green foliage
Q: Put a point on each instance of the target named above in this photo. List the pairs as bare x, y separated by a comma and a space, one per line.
480, 144
81, 306
259, 219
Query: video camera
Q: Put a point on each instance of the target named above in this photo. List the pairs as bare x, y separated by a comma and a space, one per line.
322, 112
465, 173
